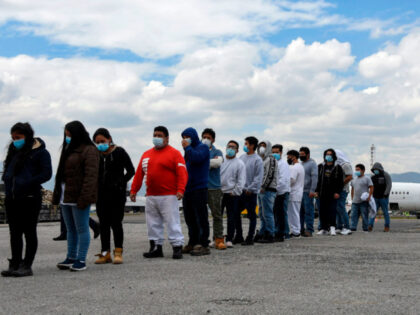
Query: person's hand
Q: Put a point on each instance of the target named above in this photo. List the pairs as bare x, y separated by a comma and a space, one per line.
133, 197
185, 143
179, 195
248, 193
336, 196
312, 195
316, 195
368, 200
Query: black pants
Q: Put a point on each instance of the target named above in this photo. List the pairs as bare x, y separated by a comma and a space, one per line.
111, 215
196, 216
327, 212
280, 208
233, 216
249, 202
63, 230
22, 215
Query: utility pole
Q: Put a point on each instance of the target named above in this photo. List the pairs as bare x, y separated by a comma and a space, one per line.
372, 155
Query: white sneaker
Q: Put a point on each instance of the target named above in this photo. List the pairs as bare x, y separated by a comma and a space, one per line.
345, 232
338, 231
332, 231
211, 245
322, 232
229, 245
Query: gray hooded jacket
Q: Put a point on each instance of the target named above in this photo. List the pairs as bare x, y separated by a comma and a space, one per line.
382, 182
270, 168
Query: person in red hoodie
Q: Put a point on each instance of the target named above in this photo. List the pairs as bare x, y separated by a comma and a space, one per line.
165, 174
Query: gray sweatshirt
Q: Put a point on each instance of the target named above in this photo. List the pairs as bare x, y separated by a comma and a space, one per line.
232, 176
270, 167
311, 175
254, 172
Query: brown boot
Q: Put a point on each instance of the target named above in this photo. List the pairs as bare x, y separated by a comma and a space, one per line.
386, 229
118, 260
187, 249
220, 244
103, 259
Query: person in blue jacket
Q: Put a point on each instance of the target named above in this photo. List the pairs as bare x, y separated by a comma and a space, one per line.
26, 167
197, 159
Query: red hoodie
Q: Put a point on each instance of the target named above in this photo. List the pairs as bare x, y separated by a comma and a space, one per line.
164, 170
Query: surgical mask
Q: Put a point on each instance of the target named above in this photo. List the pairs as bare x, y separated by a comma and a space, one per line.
277, 156
329, 158
230, 152
302, 158
376, 172
289, 161
158, 142
358, 173
188, 140
19, 143
103, 147
207, 142
262, 150
246, 150
68, 140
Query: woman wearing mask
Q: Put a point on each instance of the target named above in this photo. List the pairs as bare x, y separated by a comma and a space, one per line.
115, 170
76, 185
27, 166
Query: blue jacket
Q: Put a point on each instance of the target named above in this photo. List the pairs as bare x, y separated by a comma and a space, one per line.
36, 171
197, 159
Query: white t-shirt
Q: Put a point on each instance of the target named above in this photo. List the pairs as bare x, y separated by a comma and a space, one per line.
297, 181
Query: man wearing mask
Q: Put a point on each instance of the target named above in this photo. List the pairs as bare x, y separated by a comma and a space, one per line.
382, 184
360, 185
267, 195
343, 225
254, 176
197, 158
311, 179
233, 177
297, 181
214, 192
282, 197
166, 178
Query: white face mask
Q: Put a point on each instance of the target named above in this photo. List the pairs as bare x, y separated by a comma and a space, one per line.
207, 142
262, 150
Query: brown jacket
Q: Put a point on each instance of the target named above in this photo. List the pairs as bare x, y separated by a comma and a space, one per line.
80, 177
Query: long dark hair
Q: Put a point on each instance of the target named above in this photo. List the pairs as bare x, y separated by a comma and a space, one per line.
23, 153
334, 155
79, 136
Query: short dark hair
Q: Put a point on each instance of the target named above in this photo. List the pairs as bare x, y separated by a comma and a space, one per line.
305, 150
103, 132
235, 143
162, 129
361, 166
294, 153
252, 141
209, 131
277, 146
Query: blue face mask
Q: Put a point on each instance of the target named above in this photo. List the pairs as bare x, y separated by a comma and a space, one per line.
357, 173
158, 142
230, 152
103, 147
188, 140
277, 156
246, 150
329, 158
19, 143
68, 140
376, 172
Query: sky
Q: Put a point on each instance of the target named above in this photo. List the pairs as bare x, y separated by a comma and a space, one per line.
341, 74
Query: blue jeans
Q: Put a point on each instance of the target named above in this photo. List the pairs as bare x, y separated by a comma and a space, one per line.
266, 214
78, 236
249, 202
342, 215
307, 213
383, 204
358, 209
280, 215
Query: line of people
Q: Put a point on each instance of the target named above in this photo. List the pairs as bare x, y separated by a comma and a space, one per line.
96, 171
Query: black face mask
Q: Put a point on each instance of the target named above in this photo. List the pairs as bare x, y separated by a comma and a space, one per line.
289, 161
303, 158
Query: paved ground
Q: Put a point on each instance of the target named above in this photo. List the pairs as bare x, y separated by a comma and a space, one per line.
373, 273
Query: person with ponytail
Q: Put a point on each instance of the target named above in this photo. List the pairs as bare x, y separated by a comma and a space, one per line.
76, 185
26, 167
115, 170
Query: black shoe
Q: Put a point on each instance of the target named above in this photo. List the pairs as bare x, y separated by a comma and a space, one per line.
238, 240
294, 235
61, 237
200, 251
353, 229
155, 251
267, 239
278, 238
23, 271
12, 267
258, 238
249, 241
177, 252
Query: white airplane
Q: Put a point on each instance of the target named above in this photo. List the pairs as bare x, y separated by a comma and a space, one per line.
405, 197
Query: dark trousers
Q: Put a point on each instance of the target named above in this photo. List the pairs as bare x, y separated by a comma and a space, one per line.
63, 230
111, 215
249, 202
196, 217
22, 215
280, 210
327, 212
234, 223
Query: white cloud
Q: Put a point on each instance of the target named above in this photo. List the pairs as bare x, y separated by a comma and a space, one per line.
371, 90
379, 65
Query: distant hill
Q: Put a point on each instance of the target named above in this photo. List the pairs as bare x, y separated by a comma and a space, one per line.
410, 177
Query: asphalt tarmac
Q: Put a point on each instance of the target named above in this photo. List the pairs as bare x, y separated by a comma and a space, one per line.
364, 273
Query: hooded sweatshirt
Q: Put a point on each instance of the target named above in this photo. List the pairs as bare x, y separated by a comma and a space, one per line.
197, 159
382, 183
270, 168
233, 176
254, 172
345, 164
311, 175
330, 180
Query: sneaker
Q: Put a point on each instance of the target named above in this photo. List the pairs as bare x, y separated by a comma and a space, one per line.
187, 249
211, 245
249, 241
345, 232
338, 231
177, 252
353, 229
238, 240
66, 264
61, 237
294, 235
332, 231
78, 266
200, 251
322, 232
229, 244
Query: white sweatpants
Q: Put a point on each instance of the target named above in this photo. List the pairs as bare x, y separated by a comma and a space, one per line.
293, 216
160, 211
